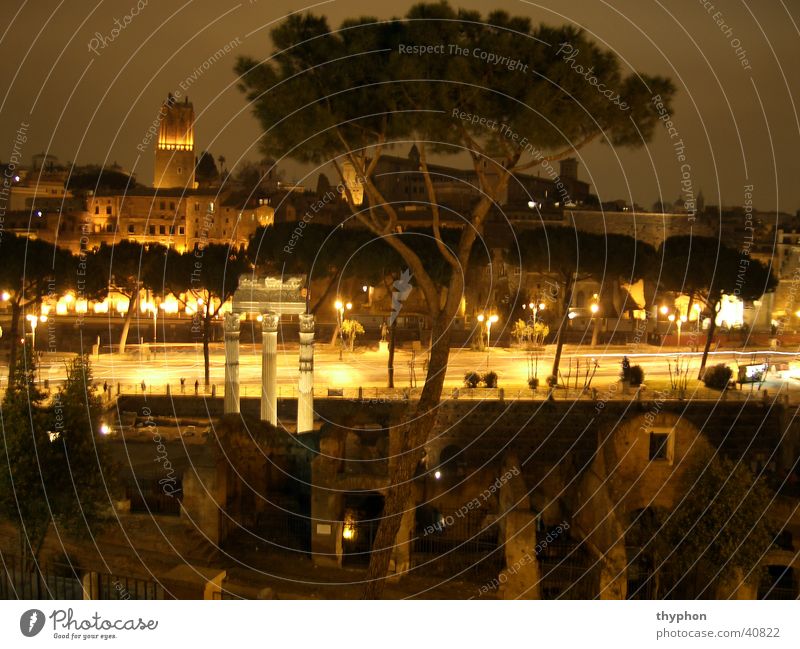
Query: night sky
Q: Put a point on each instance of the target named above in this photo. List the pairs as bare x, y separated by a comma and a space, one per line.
740, 126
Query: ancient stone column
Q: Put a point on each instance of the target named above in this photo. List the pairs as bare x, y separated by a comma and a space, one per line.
269, 368
305, 397
231, 405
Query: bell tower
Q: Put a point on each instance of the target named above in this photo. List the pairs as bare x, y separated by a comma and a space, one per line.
175, 159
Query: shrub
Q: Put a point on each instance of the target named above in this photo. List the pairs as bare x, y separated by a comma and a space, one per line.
717, 376
533, 383
471, 379
636, 375
552, 381
490, 379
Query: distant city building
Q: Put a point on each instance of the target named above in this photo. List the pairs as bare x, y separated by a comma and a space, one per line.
175, 155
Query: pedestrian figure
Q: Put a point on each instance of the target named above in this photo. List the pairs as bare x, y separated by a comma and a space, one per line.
183, 385
105, 387
196, 387
144, 387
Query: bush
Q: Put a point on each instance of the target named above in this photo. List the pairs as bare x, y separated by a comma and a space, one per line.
471, 379
717, 376
490, 379
533, 383
552, 381
636, 375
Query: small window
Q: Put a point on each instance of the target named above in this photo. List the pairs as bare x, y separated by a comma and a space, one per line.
152, 229
97, 209
661, 445
108, 209
131, 229
109, 227
161, 229
171, 205
181, 230
197, 207
163, 205
172, 229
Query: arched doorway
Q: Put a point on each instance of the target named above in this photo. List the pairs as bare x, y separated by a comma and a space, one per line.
362, 515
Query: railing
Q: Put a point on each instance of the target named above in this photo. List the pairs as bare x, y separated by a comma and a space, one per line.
53, 582
386, 395
61, 581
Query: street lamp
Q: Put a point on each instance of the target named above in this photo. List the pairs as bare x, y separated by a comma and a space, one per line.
594, 308
340, 309
678, 319
490, 320
34, 322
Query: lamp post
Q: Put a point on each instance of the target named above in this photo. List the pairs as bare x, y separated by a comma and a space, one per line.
340, 309
34, 322
490, 320
595, 308
678, 319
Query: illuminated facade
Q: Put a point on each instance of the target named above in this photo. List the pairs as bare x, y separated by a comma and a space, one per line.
175, 157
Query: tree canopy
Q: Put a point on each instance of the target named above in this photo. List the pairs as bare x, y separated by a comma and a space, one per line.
495, 89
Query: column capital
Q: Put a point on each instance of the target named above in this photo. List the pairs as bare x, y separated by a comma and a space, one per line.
232, 322
306, 323
269, 321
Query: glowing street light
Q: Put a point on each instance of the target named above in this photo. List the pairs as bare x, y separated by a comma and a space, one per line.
340, 309
34, 320
489, 320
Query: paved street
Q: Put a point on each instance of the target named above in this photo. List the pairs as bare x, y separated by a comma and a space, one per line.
158, 366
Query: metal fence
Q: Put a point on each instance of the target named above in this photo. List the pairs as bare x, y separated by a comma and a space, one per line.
464, 547
117, 587
51, 582
390, 395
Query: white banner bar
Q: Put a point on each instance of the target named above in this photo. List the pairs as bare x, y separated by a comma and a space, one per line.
400, 625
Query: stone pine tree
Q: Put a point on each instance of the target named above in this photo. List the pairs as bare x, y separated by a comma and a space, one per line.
53, 469
706, 270
30, 270
123, 267
346, 97
210, 274
570, 256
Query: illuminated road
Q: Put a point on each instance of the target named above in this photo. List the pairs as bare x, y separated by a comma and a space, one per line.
368, 368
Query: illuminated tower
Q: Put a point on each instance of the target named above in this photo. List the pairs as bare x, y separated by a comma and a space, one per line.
175, 159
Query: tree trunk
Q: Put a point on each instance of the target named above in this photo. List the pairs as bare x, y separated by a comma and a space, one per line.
391, 353
323, 298
403, 468
133, 304
13, 342
562, 325
206, 338
712, 327
595, 331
